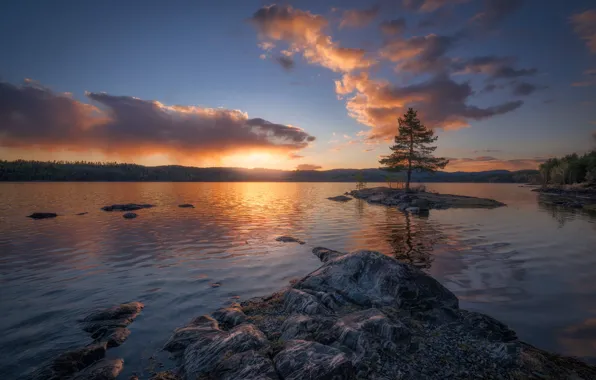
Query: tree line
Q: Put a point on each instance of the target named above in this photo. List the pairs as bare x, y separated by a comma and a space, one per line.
570, 169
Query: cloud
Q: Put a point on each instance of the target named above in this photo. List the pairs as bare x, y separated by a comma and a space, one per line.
429, 5
286, 62
308, 167
34, 116
495, 11
584, 24
397, 26
419, 54
524, 89
442, 103
487, 151
294, 156
494, 67
358, 18
492, 163
305, 33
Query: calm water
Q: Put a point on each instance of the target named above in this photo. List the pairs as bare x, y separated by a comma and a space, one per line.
528, 264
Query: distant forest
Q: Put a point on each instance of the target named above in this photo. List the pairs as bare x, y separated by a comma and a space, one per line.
22, 170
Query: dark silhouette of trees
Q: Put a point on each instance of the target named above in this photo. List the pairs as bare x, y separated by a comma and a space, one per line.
569, 169
412, 150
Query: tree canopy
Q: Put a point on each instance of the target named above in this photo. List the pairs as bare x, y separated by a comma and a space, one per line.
413, 150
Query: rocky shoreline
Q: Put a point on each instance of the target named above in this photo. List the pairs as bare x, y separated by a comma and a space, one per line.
361, 315
417, 202
577, 197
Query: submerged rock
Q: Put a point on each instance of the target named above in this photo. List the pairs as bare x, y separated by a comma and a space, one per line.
109, 325
83, 213
340, 198
42, 215
289, 239
186, 205
126, 207
361, 315
71, 362
129, 215
105, 369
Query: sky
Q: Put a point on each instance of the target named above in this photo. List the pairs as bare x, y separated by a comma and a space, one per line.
298, 84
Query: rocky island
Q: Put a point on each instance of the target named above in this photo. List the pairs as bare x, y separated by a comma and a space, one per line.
361, 315
420, 201
579, 196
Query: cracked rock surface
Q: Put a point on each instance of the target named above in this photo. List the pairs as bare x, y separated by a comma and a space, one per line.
361, 315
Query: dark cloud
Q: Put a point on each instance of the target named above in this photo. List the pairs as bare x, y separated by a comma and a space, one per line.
495, 11
357, 18
308, 167
420, 54
524, 89
487, 151
286, 62
494, 67
442, 103
32, 115
429, 5
393, 27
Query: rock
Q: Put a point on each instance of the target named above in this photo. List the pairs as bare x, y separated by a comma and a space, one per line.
186, 205
215, 285
71, 362
42, 215
116, 337
367, 316
325, 254
340, 198
413, 210
403, 206
212, 349
230, 316
376, 198
289, 239
248, 365
129, 215
422, 204
105, 369
83, 213
164, 375
126, 207
311, 360
112, 318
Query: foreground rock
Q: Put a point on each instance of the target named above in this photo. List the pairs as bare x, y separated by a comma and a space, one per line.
421, 201
108, 329
126, 207
361, 315
340, 198
289, 239
42, 215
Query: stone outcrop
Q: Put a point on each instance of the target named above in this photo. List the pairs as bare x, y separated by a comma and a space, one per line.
361, 315
421, 201
340, 198
126, 207
42, 215
289, 239
108, 329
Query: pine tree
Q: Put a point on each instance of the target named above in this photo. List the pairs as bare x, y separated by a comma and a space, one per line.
412, 150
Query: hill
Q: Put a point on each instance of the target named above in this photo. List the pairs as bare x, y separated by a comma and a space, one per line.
22, 170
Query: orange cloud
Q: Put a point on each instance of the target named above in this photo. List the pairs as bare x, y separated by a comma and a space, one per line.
305, 33
491, 163
584, 25
34, 116
308, 167
441, 101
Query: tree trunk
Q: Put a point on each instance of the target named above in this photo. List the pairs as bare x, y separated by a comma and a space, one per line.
410, 162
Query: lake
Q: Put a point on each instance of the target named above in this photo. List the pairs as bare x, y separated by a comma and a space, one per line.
530, 265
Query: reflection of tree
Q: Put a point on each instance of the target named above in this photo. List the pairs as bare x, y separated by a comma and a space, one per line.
412, 242
560, 213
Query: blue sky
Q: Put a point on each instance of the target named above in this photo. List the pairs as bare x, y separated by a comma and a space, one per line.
207, 55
